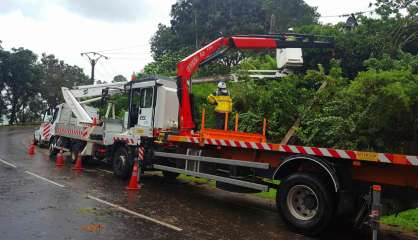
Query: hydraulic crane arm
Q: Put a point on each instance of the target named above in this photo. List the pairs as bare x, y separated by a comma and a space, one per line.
96, 90
72, 97
191, 64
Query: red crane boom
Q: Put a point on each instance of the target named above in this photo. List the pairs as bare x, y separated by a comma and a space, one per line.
190, 64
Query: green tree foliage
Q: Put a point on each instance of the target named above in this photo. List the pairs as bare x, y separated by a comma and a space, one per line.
29, 86
20, 83
376, 111
288, 14
55, 74
119, 78
195, 23
165, 64
391, 34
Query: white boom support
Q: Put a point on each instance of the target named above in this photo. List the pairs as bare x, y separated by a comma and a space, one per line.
80, 113
96, 90
71, 97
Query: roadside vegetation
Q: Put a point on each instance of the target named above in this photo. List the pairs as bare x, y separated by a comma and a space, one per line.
407, 220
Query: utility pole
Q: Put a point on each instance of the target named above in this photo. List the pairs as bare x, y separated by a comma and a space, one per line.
93, 58
195, 31
272, 24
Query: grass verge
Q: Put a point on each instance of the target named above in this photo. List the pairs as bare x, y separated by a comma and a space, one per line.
407, 220
271, 194
197, 180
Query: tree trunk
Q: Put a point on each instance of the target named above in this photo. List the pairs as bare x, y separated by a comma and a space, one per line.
13, 117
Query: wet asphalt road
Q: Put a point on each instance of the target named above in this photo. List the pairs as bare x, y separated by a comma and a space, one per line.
39, 201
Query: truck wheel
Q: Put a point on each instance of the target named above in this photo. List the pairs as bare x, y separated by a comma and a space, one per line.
305, 203
75, 151
170, 176
52, 151
35, 141
120, 164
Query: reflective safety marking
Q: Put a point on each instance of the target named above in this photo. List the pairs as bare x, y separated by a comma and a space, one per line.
293, 149
45, 179
266, 146
315, 151
135, 213
7, 163
342, 153
413, 160
309, 150
325, 152
368, 156
383, 158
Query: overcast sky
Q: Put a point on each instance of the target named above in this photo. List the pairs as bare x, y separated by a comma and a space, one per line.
66, 28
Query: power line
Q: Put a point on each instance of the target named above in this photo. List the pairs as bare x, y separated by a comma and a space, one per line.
112, 69
127, 53
106, 70
347, 14
127, 58
123, 48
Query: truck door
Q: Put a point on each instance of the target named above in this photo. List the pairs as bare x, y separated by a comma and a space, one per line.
146, 103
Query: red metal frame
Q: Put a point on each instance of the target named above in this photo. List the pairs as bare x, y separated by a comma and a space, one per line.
185, 70
190, 65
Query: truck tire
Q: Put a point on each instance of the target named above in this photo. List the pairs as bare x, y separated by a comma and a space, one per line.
122, 168
75, 151
35, 141
305, 203
52, 151
170, 176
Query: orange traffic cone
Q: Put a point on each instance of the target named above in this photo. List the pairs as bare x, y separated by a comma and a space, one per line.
31, 149
133, 183
59, 160
78, 163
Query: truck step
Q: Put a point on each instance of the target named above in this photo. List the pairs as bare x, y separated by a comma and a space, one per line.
236, 182
214, 160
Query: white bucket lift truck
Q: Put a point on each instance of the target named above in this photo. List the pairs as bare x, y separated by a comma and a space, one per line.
73, 122
153, 105
64, 112
43, 135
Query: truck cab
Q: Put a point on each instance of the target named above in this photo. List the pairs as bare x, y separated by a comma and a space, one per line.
153, 104
43, 135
